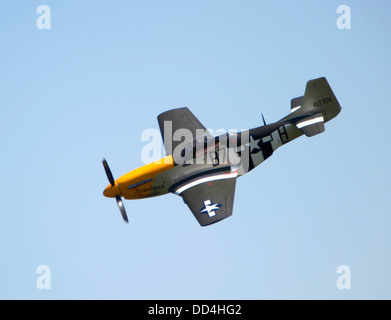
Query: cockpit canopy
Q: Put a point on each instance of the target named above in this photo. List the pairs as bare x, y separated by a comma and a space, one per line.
199, 147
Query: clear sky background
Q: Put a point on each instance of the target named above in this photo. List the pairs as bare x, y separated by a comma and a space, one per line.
92, 84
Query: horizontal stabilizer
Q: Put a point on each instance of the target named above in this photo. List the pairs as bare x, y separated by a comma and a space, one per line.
297, 103
312, 125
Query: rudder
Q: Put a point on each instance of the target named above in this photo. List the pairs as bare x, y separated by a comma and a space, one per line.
319, 97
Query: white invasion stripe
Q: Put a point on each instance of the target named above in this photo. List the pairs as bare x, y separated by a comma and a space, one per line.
206, 179
310, 122
295, 108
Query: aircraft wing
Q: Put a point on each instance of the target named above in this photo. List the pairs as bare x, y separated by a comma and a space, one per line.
175, 119
211, 198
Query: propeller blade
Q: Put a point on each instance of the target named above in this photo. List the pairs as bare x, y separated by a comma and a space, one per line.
108, 172
117, 197
121, 208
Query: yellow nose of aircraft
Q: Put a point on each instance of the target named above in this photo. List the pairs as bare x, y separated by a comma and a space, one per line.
111, 191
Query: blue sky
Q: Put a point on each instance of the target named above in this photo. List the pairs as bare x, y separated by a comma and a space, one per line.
90, 86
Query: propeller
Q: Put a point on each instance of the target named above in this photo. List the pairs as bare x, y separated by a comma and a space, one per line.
117, 196
121, 208
108, 172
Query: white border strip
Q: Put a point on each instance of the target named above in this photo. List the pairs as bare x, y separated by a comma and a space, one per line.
295, 109
206, 179
310, 122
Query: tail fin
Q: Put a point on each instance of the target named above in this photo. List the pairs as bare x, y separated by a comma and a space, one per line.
317, 106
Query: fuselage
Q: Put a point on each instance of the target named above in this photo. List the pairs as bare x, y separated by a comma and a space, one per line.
231, 152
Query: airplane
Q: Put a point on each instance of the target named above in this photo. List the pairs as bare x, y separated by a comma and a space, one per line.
203, 169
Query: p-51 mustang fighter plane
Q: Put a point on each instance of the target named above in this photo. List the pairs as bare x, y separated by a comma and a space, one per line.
203, 169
